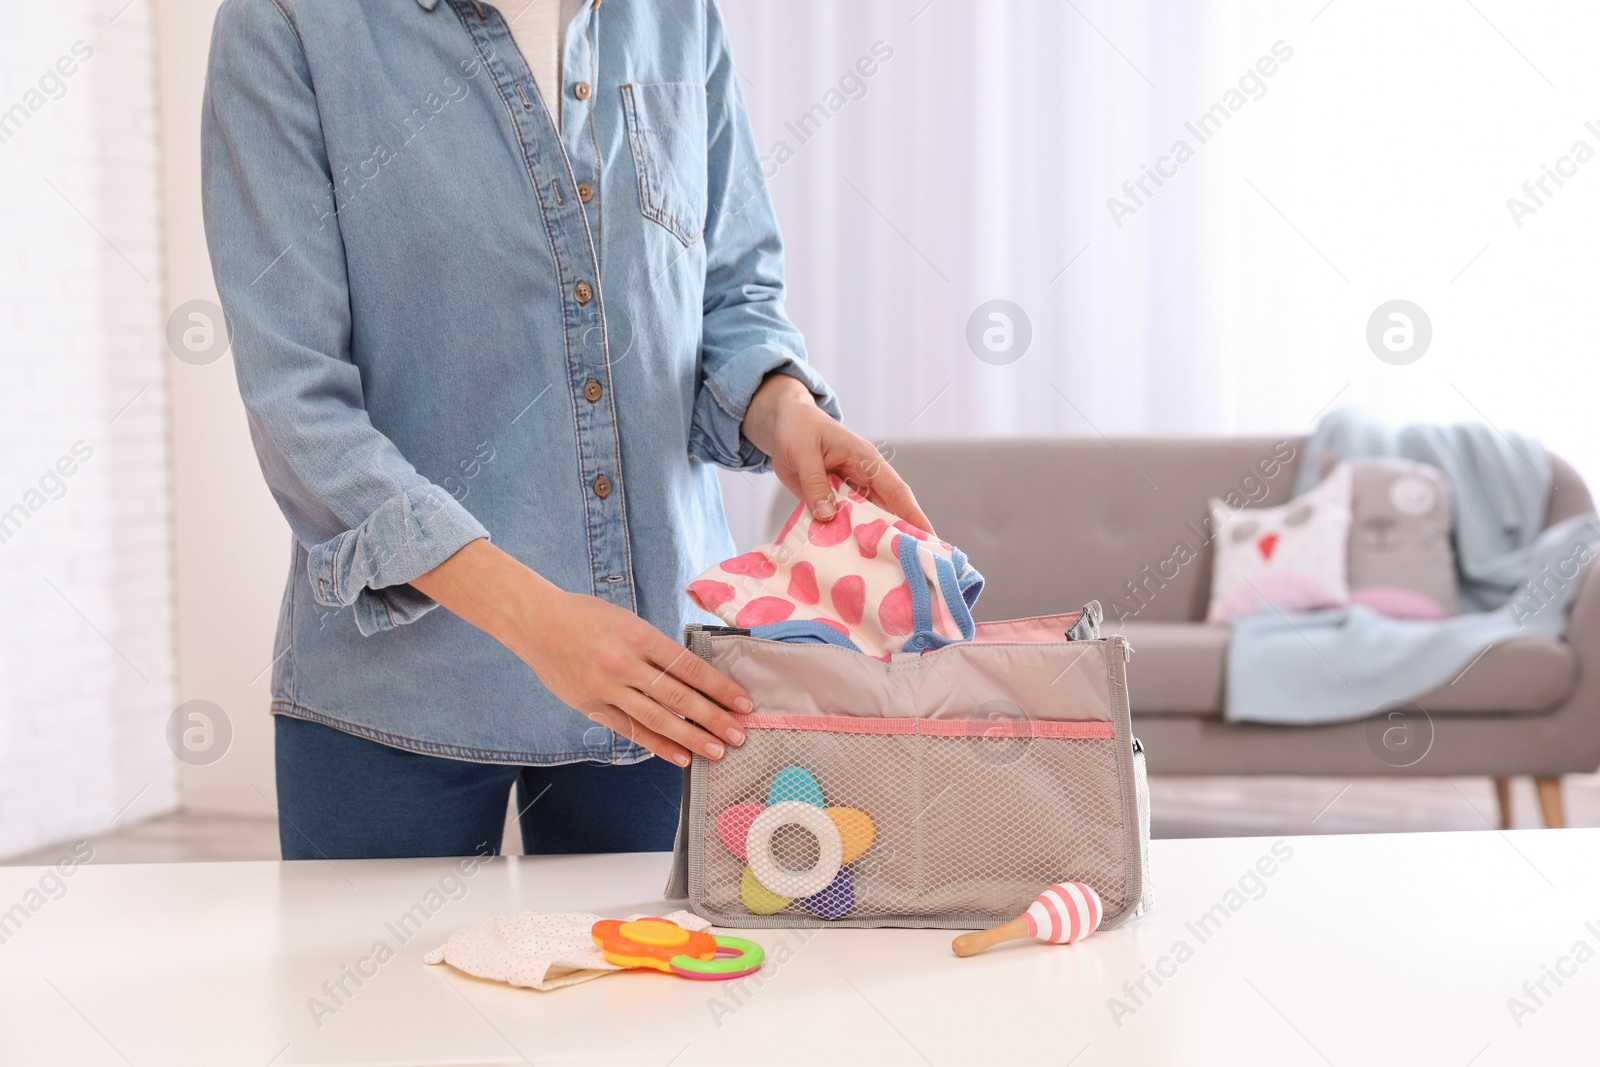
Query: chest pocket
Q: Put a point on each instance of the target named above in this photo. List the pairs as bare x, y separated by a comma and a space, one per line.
667, 132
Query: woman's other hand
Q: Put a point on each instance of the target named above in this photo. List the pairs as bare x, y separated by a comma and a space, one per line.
807, 445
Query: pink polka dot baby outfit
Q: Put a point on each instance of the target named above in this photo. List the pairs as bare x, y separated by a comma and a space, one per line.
865, 579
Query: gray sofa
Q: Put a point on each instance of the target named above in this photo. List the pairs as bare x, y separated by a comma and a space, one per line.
1055, 522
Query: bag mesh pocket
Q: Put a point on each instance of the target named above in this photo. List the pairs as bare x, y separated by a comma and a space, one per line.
967, 823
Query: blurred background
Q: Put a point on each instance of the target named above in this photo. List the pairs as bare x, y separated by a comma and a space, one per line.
998, 152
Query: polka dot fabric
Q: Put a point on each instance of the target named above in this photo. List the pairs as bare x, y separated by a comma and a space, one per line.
865, 578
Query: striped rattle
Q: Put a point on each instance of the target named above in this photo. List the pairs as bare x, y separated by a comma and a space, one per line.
1060, 915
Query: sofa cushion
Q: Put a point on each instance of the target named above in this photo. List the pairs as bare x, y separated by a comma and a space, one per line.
1181, 669
1177, 667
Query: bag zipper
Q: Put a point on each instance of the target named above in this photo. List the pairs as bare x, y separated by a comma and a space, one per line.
697, 627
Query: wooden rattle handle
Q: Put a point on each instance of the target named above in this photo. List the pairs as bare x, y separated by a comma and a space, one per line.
973, 943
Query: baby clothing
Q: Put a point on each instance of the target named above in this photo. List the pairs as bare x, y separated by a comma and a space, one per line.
865, 579
536, 950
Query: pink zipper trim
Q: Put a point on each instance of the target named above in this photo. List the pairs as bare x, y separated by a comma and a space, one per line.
850, 724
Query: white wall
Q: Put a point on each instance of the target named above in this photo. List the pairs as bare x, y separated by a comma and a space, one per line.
86, 659
231, 545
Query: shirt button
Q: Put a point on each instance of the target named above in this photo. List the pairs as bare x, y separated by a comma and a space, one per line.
585, 192
592, 391
583, 292
582, 90
602, 487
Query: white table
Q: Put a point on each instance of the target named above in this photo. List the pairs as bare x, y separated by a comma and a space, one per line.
1398, 949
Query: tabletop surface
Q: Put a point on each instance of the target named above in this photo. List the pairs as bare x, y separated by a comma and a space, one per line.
1398, 948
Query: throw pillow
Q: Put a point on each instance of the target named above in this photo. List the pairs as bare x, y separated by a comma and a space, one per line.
1401, 562
1293, 557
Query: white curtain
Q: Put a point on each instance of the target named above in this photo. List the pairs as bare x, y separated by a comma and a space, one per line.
1357, 152
85, 569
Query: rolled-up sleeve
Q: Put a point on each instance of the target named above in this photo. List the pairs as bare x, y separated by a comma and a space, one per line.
370, 523
746, 334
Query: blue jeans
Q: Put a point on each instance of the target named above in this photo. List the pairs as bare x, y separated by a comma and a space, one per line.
344, 797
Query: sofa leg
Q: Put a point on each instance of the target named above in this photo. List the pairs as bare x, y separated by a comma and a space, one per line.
1502, 794
1550, 801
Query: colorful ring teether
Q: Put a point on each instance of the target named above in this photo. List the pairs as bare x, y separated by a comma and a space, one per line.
663, 945
779, 879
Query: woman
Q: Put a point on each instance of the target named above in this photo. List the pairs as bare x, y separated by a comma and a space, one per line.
501, 293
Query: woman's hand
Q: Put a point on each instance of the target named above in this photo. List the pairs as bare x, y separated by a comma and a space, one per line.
806, 445
601, 659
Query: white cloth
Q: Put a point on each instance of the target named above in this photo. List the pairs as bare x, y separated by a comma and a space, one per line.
539, 30
536, 950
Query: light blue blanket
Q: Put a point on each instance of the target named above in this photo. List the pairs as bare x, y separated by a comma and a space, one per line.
1516, 579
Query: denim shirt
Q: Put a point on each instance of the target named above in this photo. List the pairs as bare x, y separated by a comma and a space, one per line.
451, 321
